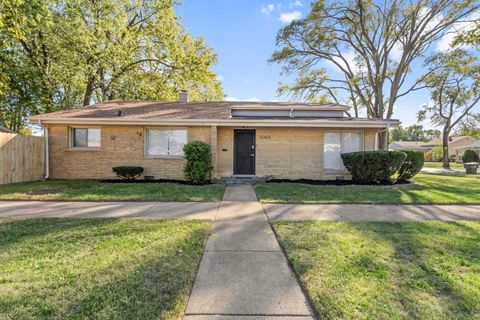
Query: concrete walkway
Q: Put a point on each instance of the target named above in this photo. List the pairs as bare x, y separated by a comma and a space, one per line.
243, 273
359, 212
443, 171
237, 206
66, 209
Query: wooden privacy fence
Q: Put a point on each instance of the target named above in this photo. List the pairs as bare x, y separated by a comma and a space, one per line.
22, 158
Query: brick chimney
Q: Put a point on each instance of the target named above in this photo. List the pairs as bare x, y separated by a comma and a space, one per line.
183, 96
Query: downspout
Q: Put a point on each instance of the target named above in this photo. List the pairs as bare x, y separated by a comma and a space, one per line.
47, 165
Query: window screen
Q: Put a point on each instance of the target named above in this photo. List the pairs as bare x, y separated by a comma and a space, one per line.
86, 137
166, 142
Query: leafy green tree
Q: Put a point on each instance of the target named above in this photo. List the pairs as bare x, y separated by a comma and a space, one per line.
454, 80
413, 133
76, 52
469, 37
372, 44
470, 126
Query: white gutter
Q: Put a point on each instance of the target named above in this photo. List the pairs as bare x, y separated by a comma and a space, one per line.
47, 156
323, 123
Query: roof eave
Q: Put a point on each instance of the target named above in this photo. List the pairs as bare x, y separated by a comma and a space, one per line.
223, 122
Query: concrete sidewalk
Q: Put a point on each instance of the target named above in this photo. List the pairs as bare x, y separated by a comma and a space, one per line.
359, 212
243, 210
62, 209
243, 273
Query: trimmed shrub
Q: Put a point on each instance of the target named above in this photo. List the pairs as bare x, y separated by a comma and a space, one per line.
469, 156
199, 162
372, 167
411, 166
128, 172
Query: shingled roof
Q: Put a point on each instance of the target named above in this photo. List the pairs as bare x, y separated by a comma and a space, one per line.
168, 110
229, 113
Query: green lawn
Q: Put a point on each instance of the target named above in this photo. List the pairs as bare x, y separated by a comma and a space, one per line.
98, 268
438, 165
411, 270
91, 190
426, 188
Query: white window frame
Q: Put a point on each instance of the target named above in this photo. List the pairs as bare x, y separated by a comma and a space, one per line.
71, 139
341, 132
146, 139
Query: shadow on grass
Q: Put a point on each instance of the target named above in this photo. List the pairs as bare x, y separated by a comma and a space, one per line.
98, 270
379, 270
427, 257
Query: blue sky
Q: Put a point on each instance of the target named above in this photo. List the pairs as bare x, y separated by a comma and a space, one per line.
243, 35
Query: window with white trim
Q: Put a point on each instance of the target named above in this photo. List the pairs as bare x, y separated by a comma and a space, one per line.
336, 143
85, 137
165, 142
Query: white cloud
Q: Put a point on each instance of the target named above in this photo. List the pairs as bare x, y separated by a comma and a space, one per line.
349, 57
288, 17
294, 4
220, 77
252, 99
267, 8
396, 52
446, 41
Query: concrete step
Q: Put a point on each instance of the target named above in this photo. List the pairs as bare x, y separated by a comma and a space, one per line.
241, 179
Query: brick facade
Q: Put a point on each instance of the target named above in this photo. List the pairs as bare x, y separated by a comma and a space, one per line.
284, 153
120, 145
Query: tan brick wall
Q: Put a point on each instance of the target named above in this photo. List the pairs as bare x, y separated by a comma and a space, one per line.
120, 145
224, 152
290, 153
284, 153
369, 139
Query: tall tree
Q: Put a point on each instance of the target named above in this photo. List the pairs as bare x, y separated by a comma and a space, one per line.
372, 44
454, 80
77, 52
413, 133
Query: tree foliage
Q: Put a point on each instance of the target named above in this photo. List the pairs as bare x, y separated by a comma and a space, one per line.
470, 126
413, 133
372, 44
454, 80
66, 54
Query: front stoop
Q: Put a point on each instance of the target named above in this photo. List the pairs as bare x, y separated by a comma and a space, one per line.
241, 179
244, 273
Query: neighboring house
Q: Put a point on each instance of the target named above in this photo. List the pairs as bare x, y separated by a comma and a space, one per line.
408, 145
264, 139
475, 146
456, 145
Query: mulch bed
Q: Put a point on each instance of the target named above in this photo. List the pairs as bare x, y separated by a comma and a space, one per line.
334, 182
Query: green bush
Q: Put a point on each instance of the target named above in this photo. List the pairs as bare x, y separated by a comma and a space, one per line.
128, 172
199, 162
469, 156
411, 166
370, 167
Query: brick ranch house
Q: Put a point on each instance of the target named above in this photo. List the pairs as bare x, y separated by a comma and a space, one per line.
261, 139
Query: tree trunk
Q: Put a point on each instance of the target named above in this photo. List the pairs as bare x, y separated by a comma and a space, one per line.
445, 155
87, 97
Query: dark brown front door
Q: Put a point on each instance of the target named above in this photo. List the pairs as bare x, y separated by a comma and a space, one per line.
244, 152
